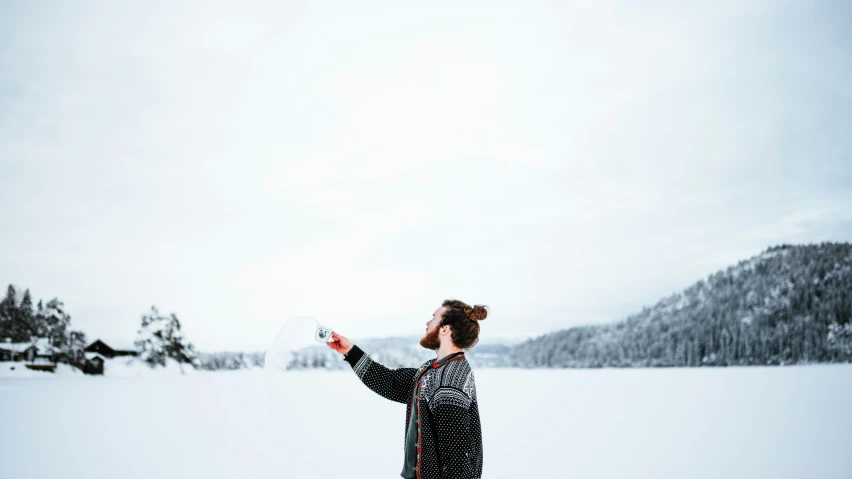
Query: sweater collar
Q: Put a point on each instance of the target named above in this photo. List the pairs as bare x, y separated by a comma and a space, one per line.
459, 354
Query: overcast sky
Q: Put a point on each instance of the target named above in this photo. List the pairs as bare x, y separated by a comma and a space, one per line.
360, 162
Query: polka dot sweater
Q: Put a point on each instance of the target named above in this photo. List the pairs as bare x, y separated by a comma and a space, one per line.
449, 444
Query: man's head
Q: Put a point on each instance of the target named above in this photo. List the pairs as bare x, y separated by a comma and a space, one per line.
454, 323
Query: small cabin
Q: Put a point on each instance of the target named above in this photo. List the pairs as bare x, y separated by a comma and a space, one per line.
17, 351
94, 363
37, 354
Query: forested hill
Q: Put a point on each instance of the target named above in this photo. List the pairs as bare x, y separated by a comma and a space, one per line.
787, 305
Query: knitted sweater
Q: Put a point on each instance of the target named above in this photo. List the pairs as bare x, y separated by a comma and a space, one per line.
449, 434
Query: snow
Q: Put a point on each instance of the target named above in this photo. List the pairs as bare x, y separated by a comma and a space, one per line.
43, 346
118, 367
133, 367
738, 422
16, 347
91, 356
119, 344
21, 371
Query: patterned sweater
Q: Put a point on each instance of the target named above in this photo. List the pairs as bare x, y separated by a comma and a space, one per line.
449, 444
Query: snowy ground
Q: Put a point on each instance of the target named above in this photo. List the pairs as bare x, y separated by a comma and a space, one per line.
120, 367
778, 422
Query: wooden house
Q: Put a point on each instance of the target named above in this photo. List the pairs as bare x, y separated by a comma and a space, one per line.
17, 352
94, 363
37, 354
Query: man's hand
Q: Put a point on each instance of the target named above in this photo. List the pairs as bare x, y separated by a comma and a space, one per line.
339, 343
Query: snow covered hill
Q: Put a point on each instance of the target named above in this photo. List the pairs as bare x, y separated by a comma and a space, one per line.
789, 304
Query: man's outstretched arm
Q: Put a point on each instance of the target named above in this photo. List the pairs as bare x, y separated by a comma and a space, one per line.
393, 384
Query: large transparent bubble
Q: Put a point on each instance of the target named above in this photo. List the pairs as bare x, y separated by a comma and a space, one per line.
289, 351
303, 377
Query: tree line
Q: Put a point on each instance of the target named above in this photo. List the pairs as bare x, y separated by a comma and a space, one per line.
21, 321
787, 305
159, 336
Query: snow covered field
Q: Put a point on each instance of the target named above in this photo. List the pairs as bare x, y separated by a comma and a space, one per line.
761, 422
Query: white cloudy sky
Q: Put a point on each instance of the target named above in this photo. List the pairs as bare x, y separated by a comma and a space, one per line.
359, 162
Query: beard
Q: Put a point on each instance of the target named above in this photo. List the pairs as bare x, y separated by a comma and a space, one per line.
430, 340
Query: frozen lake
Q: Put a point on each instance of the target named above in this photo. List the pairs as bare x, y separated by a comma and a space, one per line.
766, 422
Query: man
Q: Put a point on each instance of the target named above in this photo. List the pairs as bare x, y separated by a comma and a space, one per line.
443, 436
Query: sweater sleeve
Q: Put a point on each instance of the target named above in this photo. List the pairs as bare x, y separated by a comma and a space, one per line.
393, 384
450, 408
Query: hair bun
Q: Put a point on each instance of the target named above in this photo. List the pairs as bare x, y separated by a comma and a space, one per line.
476, 312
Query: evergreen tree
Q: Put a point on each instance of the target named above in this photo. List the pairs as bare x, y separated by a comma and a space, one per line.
18, 316
26, 319
8, 308
20, 322
790, 304
40, 320
75, 345
176, 345
56, 323
160, 337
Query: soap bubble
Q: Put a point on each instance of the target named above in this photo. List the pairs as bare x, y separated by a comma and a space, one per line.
303, 397
295, 336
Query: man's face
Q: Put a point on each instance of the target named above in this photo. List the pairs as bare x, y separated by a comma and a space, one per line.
432, 340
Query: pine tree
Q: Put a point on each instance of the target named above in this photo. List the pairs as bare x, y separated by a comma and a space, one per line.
151, 338
75, 345
160, 337
7, 313
176, 346
22, 326
56, 323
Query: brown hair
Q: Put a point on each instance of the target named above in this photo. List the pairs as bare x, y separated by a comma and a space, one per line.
463, 321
